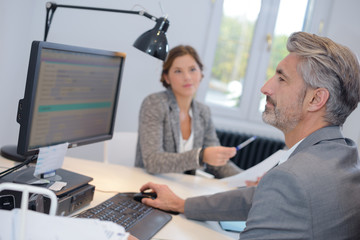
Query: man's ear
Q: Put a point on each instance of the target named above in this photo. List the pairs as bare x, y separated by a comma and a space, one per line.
319, 99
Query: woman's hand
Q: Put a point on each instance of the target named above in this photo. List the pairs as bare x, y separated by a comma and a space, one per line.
218, 155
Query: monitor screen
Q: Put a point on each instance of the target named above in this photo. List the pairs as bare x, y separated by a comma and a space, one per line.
71, 96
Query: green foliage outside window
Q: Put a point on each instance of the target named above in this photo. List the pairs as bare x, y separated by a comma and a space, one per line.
278, 52
236, 38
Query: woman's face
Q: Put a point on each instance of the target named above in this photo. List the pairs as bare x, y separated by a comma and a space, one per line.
184, 76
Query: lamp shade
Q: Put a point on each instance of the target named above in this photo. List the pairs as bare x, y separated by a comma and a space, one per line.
154, 41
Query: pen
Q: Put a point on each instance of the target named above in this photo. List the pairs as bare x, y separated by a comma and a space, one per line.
244, 144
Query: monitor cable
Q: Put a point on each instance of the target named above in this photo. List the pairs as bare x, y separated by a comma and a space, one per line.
13, 169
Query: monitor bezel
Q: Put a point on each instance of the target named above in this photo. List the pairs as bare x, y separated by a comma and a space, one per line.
26, 105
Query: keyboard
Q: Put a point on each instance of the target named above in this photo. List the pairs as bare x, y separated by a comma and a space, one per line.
140, 220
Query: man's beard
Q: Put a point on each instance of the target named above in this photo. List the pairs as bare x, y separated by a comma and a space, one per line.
286, 118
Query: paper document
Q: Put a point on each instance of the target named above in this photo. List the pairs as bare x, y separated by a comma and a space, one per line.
50, 158
41, 226
256, 171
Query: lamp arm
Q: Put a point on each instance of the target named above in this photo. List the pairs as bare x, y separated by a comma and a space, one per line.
51, 7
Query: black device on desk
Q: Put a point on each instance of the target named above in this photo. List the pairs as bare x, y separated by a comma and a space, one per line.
76, 194
71, 96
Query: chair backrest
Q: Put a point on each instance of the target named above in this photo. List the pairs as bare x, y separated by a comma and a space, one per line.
25, 190
121, 149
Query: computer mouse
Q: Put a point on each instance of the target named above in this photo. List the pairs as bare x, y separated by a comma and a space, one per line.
152, 195
141, 195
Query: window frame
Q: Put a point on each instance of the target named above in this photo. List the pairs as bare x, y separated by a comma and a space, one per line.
246, 114
246, 118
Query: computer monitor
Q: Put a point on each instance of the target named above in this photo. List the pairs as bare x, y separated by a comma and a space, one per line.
71, 96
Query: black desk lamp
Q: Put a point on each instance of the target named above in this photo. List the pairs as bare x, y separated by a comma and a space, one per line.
152, 42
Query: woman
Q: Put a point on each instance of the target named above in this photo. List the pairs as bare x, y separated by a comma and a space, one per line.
176, 133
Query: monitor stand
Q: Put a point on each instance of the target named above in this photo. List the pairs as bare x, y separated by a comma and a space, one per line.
10, 152
27, 177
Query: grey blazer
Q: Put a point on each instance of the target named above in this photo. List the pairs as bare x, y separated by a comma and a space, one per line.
315, 194
159, 136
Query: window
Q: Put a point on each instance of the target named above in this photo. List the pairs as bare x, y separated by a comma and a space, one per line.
290, 18
232, 52
251, 42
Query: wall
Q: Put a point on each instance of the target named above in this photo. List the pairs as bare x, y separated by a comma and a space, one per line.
342, 28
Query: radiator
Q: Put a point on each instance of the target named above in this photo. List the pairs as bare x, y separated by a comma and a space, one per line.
253, 153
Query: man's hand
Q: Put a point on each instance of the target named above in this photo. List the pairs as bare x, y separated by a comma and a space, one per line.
250, 183
131, 237
166, 199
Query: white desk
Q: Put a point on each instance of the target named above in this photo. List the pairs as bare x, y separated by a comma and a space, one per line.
117, 178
